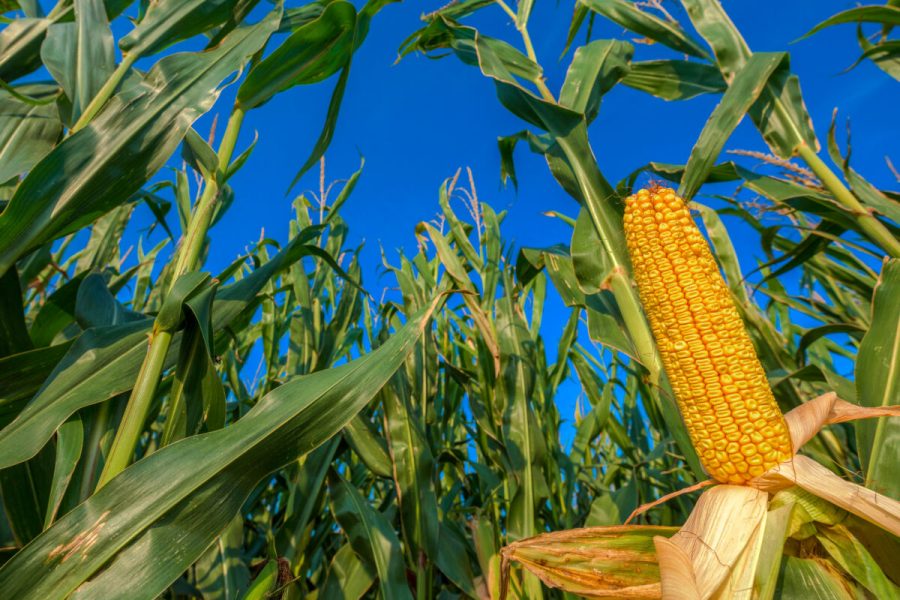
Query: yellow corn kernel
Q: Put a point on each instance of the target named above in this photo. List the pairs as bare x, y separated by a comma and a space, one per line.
702, 341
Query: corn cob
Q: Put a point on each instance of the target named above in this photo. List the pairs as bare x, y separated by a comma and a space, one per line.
720, 386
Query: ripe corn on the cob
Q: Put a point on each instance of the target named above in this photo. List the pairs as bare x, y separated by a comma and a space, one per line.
721, 388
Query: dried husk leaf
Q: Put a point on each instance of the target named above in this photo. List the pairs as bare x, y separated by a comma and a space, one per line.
813, 477
739, 583
675, 571
595, 562
726, 522
806, 420
726, 549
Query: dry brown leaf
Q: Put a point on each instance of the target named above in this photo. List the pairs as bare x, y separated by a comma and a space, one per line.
716, 553
805, 421
595, 562
723, 522
739, 583
676, 573
813, 477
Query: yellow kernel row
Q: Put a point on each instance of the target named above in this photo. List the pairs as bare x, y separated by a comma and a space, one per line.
720, 386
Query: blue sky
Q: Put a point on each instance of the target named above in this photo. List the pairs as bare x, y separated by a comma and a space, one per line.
417, 121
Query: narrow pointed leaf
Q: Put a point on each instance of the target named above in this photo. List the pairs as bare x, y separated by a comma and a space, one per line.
628, 15
674, 79
743, 91
312, 53
371, 536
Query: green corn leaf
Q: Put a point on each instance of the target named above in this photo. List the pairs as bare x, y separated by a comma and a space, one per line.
851, 554
810, 578
369, 446
21, 376
69, 441
239, 9
20, 47
885, 54
80, 55
884, 14
102, 249
371, 536
222, 573
264, 584
520, 432
878, 384
348, 576
453, 558
674, 79
197, 397
104, 361
596, 68
14, 338
743, 91
324, 140
200, 156
413, 463
27, 131
140, 128
57, 312
628, 15
308, 493
170, 21
590, 262
777, 521
312, 53
95, 305
780, 115
25, 490
184, 495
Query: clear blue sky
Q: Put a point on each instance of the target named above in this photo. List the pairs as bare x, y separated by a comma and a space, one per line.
417, 121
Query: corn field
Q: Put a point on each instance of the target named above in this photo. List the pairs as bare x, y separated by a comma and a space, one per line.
278, 430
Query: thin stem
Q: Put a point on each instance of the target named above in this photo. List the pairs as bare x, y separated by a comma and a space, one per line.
93, 449
129, 431
187, 260
529, 50
189, 254
421, 580
105, 92
507, 10
867, 222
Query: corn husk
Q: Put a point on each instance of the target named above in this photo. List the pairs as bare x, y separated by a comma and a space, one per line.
595, 562
813, 477
732, 544
805, 421
717, 545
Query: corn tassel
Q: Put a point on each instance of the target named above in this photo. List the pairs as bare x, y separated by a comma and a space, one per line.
720, 386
